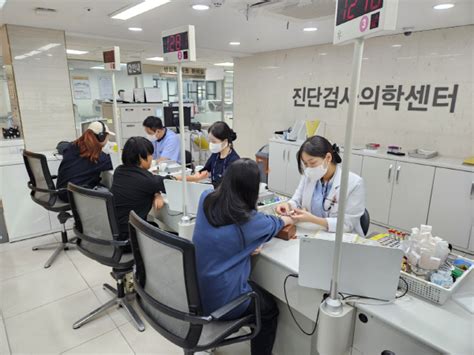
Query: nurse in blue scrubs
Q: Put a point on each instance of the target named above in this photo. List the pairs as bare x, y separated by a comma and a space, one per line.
228, 231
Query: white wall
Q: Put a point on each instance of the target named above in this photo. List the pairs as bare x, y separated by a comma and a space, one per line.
122, 80
264, 84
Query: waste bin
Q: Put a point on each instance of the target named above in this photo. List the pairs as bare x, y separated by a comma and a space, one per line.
261, 158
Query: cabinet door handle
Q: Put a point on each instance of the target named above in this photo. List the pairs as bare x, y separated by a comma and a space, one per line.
472, 190
288, 156
390, 173
284, 151
130, 125
398, 173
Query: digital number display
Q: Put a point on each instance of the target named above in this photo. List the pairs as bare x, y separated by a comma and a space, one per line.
175, 43
348, 10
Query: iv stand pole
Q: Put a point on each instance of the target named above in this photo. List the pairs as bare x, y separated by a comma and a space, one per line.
185, 219
333, 304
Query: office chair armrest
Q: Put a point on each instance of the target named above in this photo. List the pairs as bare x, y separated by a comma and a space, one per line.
224, 310
54, 177
39, 189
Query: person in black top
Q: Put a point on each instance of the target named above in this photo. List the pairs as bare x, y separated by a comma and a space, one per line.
83, 160
221, 138
134, 187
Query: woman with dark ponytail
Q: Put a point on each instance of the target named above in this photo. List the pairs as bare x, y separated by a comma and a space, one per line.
221, 138
316, 198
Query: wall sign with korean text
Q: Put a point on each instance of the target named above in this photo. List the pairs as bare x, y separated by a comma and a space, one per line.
422, 97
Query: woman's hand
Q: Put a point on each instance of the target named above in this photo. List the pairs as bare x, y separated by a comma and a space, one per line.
283, 209
257, 251
287, 220
300, 215
158, 202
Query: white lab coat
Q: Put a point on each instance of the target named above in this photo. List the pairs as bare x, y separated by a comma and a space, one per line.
355, 205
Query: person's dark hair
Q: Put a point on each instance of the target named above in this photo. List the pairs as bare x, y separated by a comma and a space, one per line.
121, 90
134, 149
236, 197
222, 131
153, 123
317, 146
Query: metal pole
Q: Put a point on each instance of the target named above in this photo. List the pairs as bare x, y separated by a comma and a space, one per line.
351, 118
118, 135
185, 217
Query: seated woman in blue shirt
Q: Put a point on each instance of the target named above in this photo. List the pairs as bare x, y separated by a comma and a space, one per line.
85, 159
221, 138
228, 231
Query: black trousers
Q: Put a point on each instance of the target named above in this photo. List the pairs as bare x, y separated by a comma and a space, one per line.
262, 344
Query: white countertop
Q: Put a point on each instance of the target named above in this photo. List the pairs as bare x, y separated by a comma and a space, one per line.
448, 328
18, 159
439, 161
11, 143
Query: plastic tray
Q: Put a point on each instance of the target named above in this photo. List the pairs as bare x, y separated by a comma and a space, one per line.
430, 291
416, 154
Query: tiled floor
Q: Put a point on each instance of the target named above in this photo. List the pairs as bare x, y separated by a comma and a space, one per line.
38, 307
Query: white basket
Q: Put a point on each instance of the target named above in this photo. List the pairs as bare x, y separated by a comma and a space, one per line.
431, 291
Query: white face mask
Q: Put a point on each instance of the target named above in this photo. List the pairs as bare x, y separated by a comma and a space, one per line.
216, 147
108, 148
151, 137
317, 172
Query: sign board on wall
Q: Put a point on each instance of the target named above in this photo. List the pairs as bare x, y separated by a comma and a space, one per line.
134, 68
105, 88
81, 87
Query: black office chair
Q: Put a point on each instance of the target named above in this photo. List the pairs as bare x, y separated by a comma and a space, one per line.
168, 294
96, 227
365, 222
189, 160
45, 193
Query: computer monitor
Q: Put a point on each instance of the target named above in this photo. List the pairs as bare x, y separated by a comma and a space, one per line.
171, 115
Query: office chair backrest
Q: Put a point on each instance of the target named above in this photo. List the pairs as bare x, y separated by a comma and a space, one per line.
96, 223
365, 222
166, 281
41, 183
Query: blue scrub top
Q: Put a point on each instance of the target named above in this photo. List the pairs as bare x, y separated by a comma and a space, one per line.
168, 147
223, 257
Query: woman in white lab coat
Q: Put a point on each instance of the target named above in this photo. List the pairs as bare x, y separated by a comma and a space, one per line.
316, 198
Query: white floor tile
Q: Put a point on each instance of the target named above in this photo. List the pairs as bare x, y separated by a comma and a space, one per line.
4, 348
48, 329
118, 315
18, 261
110, 343
27, 243
235, 349
39, 287
149, 341
93, 272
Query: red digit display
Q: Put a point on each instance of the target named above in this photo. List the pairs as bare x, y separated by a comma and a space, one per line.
175, 42
350, 9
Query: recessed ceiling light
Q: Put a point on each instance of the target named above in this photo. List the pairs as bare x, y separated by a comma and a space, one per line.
234, 43
443, 6
135, 29
310, 29
136, 10
396, 45
229, 71
49, 55
156, 59
98, 67
324, 53
225, 64
76, 52
201, 7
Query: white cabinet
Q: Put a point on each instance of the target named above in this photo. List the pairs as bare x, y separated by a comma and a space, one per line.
284, 176
378, 179
372, 336
132, 117
23, 217
412, 185
398, 193
452, 207
356, 164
